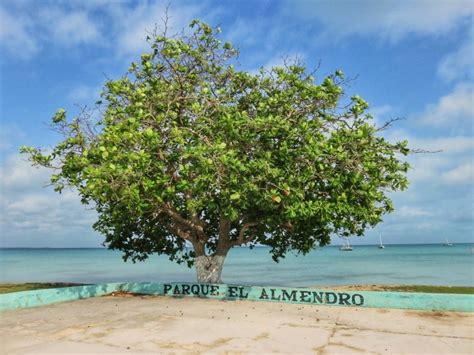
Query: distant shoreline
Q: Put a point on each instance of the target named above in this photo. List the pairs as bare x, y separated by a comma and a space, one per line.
244, 247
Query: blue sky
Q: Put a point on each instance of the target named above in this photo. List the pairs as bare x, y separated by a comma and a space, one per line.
411, 59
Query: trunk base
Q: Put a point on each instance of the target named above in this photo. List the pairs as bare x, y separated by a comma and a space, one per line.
209, 268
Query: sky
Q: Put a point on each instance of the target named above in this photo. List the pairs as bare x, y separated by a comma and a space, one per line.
409, 59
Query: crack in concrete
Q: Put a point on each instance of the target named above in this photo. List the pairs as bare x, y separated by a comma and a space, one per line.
348, 327
320, 349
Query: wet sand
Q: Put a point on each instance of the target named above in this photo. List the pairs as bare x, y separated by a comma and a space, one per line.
157, 324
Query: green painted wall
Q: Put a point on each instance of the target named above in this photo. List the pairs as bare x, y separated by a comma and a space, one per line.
401, 300
37, 298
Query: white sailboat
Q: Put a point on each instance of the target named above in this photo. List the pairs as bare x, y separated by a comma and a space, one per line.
346, 247
448, 244
381, 246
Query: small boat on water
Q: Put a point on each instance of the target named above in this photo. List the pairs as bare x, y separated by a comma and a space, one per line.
381, 246
346, 247
447, 244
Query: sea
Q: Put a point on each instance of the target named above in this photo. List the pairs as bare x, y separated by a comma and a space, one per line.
426, 264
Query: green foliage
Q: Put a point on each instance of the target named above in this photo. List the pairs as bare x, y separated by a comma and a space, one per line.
191, 149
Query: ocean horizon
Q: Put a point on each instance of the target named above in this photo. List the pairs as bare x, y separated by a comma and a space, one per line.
401, 264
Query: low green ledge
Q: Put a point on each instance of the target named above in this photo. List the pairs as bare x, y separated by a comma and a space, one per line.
35, 298
371, 299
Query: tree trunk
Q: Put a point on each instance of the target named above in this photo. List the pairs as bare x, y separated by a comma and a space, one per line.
209, 268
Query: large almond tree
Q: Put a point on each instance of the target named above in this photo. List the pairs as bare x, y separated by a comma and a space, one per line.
190, 157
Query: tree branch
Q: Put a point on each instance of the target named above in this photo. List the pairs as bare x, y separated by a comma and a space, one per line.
389, 123
196, 225
181, 233
241, 238
170, 211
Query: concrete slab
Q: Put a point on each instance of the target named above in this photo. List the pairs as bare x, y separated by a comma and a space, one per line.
151, 324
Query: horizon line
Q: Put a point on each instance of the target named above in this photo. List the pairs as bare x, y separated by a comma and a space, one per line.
258, 246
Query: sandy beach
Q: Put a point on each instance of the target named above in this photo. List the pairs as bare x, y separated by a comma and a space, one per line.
151, 324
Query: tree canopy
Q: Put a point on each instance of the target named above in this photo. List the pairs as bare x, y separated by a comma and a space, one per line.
190, 150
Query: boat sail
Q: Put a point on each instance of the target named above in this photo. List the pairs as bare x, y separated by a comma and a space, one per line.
381, 246
448, 244
346, 247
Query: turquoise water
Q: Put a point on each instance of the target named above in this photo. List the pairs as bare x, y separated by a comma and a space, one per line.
396, 264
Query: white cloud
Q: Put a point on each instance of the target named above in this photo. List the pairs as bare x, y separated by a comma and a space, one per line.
382, 114
133, 24
85, 93
425, 167
389, 19
450, 120
459, 65
431, 204
454, 110
439, 169
407, 211
15, 36
448, 153
24, 31
17, 174
452, 145
32, 215
32, 203
463, 174
448, 145
9, 133
69, 28
265, 34
122, 26
440, 191
381, 111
